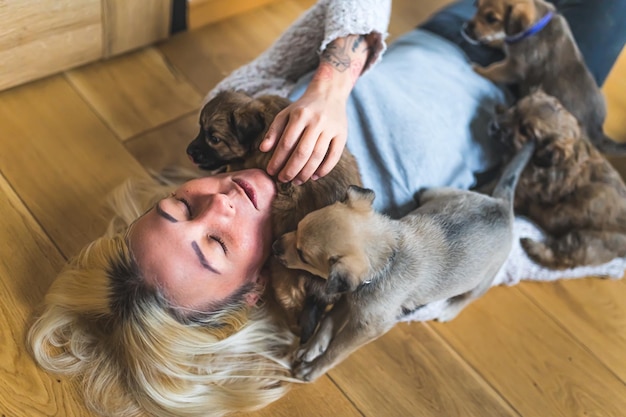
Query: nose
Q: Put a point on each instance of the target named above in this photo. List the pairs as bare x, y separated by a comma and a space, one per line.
217, 205
493, 128
277, 248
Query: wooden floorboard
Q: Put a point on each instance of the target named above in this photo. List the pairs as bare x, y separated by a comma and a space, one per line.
28, 263
592, 312
535, 350
135, 93
535, 364
412, 372
61, 159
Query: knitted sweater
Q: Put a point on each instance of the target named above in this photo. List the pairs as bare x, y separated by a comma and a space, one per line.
416, 119
297, 51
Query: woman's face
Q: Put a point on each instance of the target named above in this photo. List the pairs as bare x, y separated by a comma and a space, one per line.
208, 240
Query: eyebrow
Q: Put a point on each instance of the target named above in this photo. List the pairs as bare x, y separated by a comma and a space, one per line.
163, 214
205, 264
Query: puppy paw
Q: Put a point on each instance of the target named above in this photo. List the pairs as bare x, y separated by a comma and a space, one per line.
312, 351
303, 371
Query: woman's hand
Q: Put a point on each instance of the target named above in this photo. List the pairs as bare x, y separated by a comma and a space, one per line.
308, 137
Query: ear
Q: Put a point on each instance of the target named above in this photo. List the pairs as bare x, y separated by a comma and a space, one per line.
346, 273
253, 296
549, 155
340, 279
248, 122
519, 16
359, 198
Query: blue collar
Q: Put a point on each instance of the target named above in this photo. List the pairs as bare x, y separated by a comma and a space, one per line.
541, 23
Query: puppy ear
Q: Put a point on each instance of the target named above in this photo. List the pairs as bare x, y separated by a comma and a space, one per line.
346, 274
549, 155
359, 198
248, 122
518, 17
340, 279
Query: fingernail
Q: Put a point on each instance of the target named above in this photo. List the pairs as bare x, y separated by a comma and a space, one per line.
296, 182
315, 177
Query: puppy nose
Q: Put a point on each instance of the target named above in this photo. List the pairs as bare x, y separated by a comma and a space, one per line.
192, 153
278, 249
493, 128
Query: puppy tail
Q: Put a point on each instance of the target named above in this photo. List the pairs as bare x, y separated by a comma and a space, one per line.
608, 146
505, 188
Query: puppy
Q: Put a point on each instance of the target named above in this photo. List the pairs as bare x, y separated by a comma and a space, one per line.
541, 52
232, 125
451, 247
569, 189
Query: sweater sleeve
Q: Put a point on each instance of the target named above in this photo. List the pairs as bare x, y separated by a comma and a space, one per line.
297, 50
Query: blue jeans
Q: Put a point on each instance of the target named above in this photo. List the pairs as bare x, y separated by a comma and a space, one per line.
599, 27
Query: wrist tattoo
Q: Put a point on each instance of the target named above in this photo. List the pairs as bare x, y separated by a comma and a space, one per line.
340, 52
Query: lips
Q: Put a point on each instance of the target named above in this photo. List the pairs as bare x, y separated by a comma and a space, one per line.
248, 189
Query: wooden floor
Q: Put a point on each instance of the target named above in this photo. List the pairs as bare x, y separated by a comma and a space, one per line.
534, 350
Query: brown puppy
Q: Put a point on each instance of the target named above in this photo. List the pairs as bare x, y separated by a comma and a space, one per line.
569, 189
541, 52
232, 125
449, 248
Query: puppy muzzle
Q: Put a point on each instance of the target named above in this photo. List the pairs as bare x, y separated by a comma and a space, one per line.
203, 156
470, 37
494, 130
279, 250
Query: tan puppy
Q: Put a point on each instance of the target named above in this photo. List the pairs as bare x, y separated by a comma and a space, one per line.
232, 125
541, 52
569, 189
451, 247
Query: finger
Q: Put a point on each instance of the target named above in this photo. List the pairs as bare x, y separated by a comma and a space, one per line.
285, 146
317, 157
335, 149
274, 132
300, 155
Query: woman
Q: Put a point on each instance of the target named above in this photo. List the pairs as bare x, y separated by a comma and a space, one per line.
163, 314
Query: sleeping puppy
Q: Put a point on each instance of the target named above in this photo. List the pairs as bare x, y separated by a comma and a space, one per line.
541, 52
569, 189
451, 247
232, 125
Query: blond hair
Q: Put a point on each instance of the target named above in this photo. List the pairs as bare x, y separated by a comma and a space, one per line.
137, 355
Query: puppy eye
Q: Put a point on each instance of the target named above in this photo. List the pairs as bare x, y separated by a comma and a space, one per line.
491, 18
301, 256
213, 139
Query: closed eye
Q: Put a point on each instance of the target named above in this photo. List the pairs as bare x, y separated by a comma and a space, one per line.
221, 242
186, 204
301, 256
